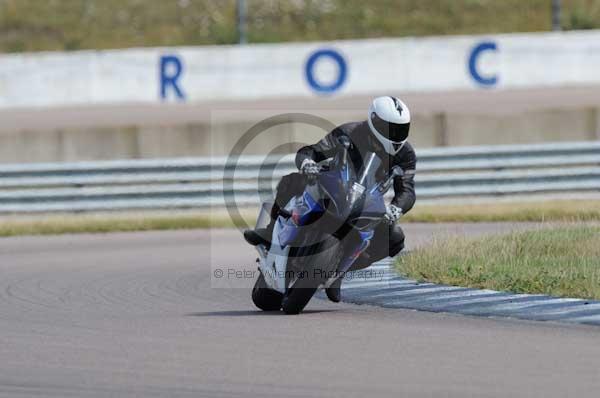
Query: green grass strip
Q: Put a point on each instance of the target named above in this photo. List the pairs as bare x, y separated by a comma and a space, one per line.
51, 225
564, 261
38, 25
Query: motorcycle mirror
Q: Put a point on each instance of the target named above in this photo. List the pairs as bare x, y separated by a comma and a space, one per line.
396, 171
345, 142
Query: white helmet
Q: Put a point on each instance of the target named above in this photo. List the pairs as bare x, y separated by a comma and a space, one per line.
389, 121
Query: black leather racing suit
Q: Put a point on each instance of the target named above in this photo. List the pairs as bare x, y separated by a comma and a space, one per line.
388, 240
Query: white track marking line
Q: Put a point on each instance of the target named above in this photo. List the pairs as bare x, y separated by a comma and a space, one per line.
394, 295
526, 304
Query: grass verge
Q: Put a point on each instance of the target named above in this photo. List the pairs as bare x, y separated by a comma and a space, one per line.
563, 211
38, 25
542, 211
564, 261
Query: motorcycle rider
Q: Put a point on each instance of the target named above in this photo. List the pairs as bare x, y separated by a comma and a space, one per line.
385, 133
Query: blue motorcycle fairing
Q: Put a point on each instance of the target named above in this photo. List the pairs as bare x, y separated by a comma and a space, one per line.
365, 238
334, 183
287, 231
302, 208
311, 205
336, 186
374, 203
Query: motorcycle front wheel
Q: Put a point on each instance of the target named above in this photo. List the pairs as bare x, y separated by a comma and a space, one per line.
265, 298
312, 266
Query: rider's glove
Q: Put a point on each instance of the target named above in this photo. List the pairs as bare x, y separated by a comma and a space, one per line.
309, 167
392, 214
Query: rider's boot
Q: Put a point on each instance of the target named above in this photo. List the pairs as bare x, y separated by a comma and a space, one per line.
334, 292
263, 235
258, 236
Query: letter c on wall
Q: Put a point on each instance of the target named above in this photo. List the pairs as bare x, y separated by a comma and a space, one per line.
476, 52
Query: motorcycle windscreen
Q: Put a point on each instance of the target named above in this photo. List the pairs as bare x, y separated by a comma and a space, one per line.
367, 176
264, 215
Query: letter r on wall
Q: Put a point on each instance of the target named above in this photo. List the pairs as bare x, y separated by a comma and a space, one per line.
170, 70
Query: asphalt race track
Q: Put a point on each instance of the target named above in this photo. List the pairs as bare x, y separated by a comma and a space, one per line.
135, 315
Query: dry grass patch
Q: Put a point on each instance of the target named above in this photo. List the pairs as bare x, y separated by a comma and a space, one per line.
551, 210
111, 222
191, 219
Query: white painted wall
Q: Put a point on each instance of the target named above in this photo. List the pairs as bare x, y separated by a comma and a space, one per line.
278, 70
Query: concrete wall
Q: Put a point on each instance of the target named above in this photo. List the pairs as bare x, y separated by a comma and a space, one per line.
466, 90
552, 125
206, 139
300, 70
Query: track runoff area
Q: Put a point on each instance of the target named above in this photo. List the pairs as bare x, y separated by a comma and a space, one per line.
137, 314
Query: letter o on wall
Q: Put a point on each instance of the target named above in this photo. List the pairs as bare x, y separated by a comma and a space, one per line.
309, 69
476, 52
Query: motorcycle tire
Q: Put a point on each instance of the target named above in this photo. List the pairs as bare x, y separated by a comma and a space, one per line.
299, 294
265, 298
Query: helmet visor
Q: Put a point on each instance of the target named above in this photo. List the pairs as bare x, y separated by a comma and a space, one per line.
392, 131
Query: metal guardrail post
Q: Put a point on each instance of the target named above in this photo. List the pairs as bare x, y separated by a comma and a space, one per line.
595, 123
241, 22
442, 138
556, 15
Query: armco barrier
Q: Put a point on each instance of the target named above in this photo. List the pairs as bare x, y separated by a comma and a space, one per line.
198, 182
